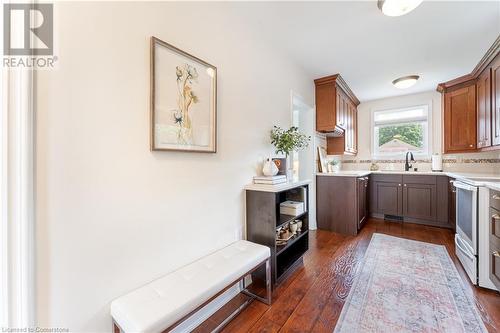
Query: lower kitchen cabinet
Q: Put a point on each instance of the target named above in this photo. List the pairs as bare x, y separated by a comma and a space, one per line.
419, 201
341, 203
495, 238
412, 198
362, 184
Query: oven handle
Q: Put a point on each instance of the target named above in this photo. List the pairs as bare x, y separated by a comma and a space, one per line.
465, 186
457, 243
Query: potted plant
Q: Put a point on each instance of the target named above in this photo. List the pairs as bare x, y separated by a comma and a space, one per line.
288, 141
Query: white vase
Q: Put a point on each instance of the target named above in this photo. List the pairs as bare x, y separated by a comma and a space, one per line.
269, 168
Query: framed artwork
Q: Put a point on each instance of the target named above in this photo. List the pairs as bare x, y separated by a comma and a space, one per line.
322, 160
183, 100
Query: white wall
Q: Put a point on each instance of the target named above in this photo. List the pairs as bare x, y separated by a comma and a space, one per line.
111, 215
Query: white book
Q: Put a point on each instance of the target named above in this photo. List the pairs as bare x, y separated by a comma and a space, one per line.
269, 182
277, 177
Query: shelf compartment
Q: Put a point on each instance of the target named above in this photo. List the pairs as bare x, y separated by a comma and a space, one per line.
281, 248
291, 253
284, 219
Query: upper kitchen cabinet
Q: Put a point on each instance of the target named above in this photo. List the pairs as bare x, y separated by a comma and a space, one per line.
495, 100
460, 120
483, 92
336, 114
471, 107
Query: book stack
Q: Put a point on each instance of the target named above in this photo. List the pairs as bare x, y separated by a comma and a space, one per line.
270, 180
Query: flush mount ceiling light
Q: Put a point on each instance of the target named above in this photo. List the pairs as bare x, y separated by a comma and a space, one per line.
397, 7
405, 81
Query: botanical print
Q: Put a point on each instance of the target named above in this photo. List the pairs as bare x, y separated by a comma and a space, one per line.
183, 101
186, 75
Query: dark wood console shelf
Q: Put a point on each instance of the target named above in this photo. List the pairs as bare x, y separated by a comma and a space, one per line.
263, 218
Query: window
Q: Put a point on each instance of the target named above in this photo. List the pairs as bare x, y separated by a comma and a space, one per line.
398, 131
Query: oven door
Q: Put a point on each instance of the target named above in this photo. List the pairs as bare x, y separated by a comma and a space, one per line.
466, 215
467, 259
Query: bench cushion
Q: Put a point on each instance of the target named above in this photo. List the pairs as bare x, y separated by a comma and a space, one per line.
159, 304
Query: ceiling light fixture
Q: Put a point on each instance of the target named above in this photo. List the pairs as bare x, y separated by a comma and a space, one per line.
405, 81
397, 7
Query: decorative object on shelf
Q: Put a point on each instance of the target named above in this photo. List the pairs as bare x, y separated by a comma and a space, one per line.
299, 225
269, 168
183, 100
293, 228
293, 208
281, 164
374, 167
270, 180
322, 167
288, 141
334, 166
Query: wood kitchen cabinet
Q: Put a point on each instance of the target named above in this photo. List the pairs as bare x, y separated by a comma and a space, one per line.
411, 198
495, 101
460, 124
483, 92
362, 184
495, 238
419, 197
471, 107
341, 203
386, 195
336, 114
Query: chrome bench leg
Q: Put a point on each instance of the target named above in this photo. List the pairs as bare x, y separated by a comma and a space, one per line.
268, 299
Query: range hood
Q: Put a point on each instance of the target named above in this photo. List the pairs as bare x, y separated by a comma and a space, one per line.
337, 132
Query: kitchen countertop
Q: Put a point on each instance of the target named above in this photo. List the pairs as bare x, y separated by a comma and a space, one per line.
491, 181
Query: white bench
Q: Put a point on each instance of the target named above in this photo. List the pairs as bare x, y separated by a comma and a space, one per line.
163, 304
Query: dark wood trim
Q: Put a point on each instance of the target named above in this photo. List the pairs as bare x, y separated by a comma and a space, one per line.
455, 84
471, 78
336, 78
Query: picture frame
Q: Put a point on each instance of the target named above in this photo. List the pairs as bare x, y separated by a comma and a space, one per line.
183, 100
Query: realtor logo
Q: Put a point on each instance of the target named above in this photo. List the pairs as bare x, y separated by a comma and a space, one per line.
28, 29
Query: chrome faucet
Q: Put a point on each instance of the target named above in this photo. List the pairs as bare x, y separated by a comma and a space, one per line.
408, 166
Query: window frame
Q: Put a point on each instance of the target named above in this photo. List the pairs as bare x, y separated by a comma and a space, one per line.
397, 156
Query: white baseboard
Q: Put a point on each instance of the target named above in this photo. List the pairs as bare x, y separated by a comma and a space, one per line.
203, 314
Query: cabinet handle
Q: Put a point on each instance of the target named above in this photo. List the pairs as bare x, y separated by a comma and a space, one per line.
405, 185
496, 254
471, 146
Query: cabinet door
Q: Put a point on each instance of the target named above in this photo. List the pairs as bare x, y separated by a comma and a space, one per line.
325, 107
495, 100
460, 124
389, 198
495, 264
483, 88
419, 201
340, 109
354, 129
362, 184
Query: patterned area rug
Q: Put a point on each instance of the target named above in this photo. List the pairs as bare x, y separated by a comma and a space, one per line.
408, 286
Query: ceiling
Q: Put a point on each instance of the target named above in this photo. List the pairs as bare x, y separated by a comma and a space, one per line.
438, 40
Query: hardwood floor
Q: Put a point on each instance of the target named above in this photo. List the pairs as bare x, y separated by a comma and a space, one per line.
311, 299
